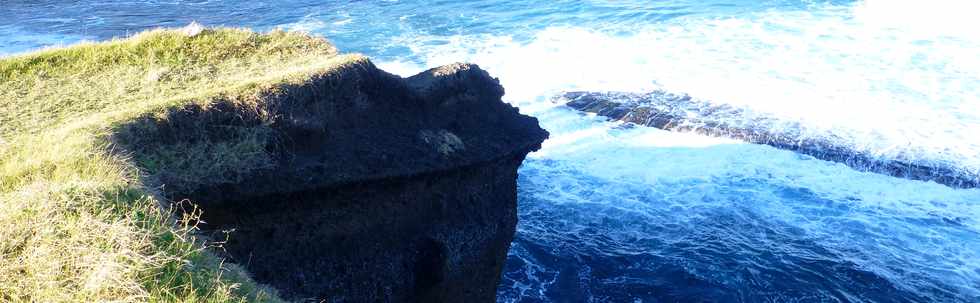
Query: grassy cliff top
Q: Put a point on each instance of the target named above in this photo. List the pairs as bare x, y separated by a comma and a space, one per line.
79, 221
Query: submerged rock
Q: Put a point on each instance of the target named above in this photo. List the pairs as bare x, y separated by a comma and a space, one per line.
379, 188
682, 113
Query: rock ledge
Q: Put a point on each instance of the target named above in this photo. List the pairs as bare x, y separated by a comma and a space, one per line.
378, 188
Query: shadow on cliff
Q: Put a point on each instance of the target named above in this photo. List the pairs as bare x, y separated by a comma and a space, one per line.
355, 185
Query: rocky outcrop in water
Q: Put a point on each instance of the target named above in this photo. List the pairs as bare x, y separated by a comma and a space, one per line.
682, 113
382, 189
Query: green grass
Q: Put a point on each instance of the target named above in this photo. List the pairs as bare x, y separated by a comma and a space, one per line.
81, 217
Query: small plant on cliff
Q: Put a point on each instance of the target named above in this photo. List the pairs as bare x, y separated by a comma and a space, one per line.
81, 217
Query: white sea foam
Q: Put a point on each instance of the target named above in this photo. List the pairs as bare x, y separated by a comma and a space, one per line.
308, 24
894, 91
853, 71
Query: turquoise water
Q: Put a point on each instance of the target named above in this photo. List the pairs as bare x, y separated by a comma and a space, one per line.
613, 213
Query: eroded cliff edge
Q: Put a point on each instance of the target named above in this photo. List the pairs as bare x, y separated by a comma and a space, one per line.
370, 187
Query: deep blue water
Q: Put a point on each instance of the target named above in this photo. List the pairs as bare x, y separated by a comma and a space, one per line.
611, 213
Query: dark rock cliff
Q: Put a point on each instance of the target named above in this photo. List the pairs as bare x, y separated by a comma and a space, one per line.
379, 188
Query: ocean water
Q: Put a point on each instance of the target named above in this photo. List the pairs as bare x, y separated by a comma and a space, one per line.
614, 213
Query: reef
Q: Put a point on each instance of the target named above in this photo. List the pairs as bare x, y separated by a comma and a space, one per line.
682, 113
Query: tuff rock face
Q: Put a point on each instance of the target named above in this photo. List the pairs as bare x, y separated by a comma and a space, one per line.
678, 112
383, 189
